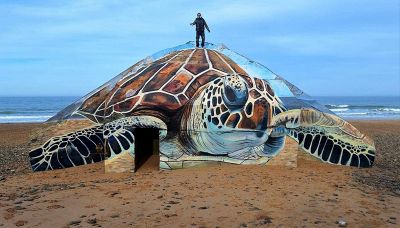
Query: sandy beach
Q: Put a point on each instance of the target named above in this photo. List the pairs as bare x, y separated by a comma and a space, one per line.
308, 193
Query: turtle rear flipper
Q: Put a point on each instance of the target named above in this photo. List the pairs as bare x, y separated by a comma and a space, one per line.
73, 149
327, 137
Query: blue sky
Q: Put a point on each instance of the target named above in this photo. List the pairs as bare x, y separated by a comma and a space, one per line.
330, 47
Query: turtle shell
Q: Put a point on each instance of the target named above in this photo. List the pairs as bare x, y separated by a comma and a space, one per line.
164, 85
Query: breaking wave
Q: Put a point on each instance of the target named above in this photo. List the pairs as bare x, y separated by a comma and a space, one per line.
336, 106
339, 109
365, 111
18, 119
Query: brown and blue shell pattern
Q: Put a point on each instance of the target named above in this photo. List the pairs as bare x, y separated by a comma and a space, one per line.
170, 82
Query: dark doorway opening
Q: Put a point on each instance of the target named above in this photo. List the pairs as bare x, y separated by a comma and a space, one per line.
147, 155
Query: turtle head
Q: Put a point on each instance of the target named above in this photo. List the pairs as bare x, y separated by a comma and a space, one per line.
233, 110
237, 102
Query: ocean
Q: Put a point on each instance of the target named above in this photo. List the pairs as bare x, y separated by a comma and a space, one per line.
363, 108
31, 109
39, 109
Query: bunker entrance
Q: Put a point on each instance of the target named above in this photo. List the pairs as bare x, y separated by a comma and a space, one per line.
147, 155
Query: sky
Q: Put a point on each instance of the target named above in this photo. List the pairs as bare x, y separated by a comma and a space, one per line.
326, 48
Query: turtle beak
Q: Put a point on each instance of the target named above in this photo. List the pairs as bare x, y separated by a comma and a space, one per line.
235, 92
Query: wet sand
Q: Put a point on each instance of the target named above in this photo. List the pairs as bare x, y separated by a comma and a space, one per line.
296, 194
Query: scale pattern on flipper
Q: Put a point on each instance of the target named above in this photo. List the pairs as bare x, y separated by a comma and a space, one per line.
120, 136
328, 137
73, 149
333, 147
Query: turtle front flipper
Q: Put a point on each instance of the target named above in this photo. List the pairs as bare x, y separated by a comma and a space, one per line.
73, 149
327, 137
94, 144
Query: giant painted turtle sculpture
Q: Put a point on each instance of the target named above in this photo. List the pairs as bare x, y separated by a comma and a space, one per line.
210, 104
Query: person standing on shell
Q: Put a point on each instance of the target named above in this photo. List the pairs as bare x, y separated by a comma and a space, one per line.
200, 25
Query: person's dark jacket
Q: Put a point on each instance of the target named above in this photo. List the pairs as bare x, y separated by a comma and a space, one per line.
200, 24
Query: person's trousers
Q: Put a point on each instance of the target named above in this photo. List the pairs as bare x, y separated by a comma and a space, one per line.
203, 37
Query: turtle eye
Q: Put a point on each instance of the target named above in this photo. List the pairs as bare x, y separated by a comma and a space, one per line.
235, 92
